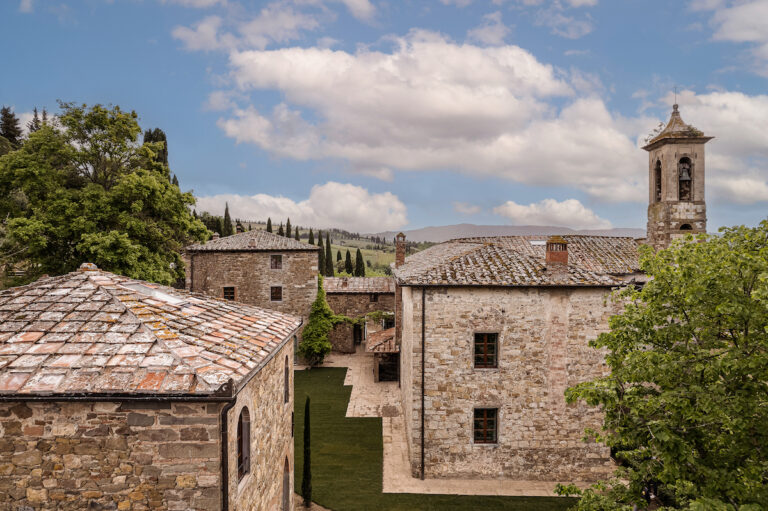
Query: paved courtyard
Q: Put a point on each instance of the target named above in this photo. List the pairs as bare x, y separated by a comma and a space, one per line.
371, 399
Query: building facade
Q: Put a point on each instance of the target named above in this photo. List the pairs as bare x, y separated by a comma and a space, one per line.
492, 332
257, 268
121, 394
371, 300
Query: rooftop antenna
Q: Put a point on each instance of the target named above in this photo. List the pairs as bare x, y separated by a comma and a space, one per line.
675, 88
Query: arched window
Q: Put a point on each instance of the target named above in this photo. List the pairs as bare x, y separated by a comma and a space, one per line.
685, 179
287, 486
243, 443
686, 227
287, 385
657, 181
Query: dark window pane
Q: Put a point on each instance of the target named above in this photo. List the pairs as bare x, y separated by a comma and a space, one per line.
276, 294
485, 428
276, 262
486, 347
229, 293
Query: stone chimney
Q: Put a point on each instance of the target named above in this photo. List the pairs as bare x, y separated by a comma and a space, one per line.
215, 236
557, 255
399, 250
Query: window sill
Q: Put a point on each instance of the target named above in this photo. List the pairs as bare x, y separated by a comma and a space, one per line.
243, 482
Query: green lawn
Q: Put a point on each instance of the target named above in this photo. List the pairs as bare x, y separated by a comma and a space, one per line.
346, 458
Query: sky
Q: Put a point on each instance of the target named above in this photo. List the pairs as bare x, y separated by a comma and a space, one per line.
375, 115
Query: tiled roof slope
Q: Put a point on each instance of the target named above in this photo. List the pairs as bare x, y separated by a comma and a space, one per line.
382, 341
515, 261
359, 285
256, 240
93, 332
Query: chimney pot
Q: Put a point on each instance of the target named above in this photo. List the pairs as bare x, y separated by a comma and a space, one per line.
215, 236
557, 252
399, 250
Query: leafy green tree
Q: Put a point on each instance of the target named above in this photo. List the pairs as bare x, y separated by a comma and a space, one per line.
314, 344
311, 239
321, 255
157, 136
686, 401
306, 478
288, 228
328, 256
348, 263
5, 146
359, 264
90, 192
227, 223
280, 231
269, 225
10, 127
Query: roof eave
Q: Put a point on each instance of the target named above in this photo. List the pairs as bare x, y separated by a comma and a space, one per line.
675, 140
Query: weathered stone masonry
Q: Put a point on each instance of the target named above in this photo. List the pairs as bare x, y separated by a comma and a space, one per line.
356, 305
543, 336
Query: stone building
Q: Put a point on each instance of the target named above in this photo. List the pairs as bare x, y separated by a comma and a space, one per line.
121, 394
676, 204
258, 268
370, 298
503, 324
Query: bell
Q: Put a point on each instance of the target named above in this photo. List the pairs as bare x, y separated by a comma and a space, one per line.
684, 174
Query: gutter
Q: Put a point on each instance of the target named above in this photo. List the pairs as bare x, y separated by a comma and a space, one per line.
423, 356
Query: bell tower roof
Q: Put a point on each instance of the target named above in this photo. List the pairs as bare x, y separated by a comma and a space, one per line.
677, 129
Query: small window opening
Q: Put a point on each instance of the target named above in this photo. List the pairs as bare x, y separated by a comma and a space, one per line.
374, 297
243, 443
276, 293
686, 227
486, 425
486, 351
229, 293
276, 262
685, 179
657, 181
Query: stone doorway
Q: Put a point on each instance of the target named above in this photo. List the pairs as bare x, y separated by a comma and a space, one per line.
357, 334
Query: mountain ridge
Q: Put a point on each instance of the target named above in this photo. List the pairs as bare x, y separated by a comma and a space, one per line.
438, 234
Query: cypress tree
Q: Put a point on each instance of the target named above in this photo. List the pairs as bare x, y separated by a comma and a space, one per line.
269, 225
359, 264
288, 229
219, 225
175, 181
311, 239
35, 123
321, 256
348, 263
158, 135
338, 255
306, 477
227, 221
10, 128
328, 256
280, 231
296, 237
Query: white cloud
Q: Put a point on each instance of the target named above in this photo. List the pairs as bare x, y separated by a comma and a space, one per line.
742, 21
360, 9
563, 24
26, 6
198, 4
491, 32
466, 209
204, 36
568, 213
332, 204
582, 3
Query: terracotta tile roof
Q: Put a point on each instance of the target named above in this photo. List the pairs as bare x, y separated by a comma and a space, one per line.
676, 128
382, 341
520, 261
257, 240
94, 332
359, 285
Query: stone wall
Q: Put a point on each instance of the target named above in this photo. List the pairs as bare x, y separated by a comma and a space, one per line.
543, 336
271, 437
355, 305
251, 276
109, 455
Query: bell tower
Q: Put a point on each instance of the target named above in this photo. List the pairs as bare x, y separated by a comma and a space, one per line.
676, 205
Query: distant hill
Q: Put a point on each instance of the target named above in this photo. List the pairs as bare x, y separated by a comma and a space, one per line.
448, 232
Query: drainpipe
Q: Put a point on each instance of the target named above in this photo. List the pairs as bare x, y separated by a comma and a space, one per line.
423, 356
224, 436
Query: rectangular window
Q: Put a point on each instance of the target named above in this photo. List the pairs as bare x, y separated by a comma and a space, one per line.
229, 293
486, 351
276, 262
374, 297
486, 425
388, 322
276, 294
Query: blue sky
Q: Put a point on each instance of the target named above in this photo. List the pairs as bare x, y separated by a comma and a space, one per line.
376, 115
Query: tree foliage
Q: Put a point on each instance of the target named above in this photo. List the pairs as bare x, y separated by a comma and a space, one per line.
321, 254
10, 127
269, 225
311, 239
348, 263
227, 229
90, 192
157, 136
686, 401
288, 228
359, 264
328, 256
314, 339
